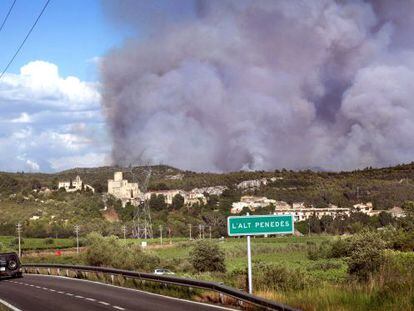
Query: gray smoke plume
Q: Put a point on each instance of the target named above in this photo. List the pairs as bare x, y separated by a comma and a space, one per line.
263, 84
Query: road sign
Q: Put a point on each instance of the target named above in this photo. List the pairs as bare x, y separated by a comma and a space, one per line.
260, 225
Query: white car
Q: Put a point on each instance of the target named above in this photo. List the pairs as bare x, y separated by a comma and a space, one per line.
163, 272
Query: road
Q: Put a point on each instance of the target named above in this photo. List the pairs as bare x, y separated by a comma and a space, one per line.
44, 293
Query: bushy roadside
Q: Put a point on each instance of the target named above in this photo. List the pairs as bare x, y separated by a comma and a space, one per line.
365, 251
112, 252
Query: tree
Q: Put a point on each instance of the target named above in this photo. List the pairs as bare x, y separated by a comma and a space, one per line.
177, 201
207, 256
366, 249
408, 207
157, 202
385, 219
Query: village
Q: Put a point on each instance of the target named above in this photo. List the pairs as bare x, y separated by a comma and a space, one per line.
130, 193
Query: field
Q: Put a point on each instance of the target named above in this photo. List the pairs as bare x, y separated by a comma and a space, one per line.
10, 243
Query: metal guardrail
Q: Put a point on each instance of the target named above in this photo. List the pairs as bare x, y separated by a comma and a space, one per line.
173, 280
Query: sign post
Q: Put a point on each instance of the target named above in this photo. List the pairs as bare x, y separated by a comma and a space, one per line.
258, 225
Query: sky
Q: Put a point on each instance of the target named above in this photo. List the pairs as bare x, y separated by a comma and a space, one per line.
50, 116
207, 85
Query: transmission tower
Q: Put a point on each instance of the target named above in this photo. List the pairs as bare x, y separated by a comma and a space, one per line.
142, 224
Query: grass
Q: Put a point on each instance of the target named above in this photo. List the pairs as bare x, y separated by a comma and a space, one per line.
10, 243
3, 307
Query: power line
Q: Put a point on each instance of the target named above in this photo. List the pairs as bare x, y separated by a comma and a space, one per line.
25, 39
7, 16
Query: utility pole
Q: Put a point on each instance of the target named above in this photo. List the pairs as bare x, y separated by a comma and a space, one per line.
169, 234
210, 231
19, 231
124, 230
190, 225
77, 228
161, 234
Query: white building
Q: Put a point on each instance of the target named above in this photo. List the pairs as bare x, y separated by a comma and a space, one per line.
252, 203
366, 208
213, 190
254, 183
304, 213
299, 210
74, 185
190, 198
168, 195
124, 190
397, 212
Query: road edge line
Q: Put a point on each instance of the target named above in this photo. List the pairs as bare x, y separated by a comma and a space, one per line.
8, 305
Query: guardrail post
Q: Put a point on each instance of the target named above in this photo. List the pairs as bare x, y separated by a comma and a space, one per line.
48, 271
221, 298
58, 271
112, 278
67, 272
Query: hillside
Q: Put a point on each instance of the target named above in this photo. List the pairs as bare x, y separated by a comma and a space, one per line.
46, 214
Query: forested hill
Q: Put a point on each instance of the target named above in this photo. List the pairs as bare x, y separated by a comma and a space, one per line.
385, 187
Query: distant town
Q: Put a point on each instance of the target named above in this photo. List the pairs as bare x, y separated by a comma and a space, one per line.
130, 193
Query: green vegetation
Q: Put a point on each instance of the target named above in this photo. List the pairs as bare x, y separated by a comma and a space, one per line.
43, 213
111, 252
207, 256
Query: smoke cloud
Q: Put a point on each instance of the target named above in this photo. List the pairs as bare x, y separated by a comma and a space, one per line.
262, 84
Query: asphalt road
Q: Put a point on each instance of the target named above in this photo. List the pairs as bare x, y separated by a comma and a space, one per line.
44, 293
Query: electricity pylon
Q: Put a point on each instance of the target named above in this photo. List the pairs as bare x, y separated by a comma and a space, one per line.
142, 216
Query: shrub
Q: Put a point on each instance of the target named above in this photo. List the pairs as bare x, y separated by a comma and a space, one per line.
111, 252
399, 240
340, 248
277, 277
207, 256
49, 241
317, 252
366, 254
15, 242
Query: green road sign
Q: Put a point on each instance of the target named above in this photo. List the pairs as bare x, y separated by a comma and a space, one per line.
259, 225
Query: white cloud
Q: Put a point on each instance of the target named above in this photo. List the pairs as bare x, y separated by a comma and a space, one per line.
85, 160
49, 122
33, 166
40, 80
23, 118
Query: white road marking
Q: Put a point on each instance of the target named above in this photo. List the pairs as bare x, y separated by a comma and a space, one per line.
59, 292
136, 290
104, 303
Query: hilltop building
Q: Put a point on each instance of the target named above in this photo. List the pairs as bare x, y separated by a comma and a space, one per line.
74, 185
124, 190
190, 198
